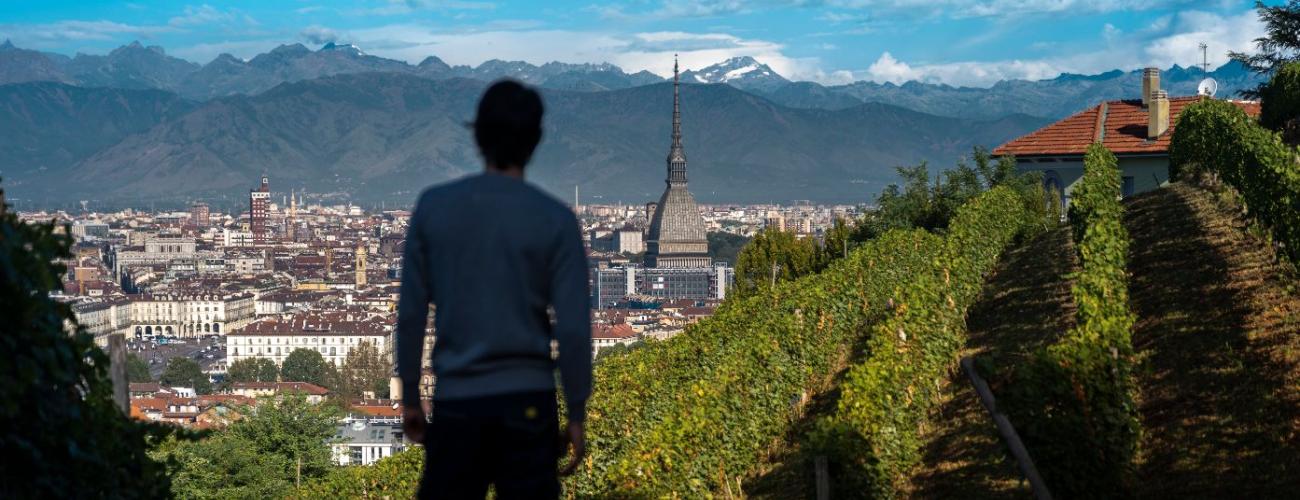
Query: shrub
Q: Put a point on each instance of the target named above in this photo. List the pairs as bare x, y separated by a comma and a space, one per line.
397, 476
874, 433
1073, 402
1218, 137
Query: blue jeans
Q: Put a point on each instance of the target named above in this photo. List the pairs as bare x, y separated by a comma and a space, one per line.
511, 441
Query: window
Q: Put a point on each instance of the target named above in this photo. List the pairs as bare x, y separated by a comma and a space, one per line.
1128, 186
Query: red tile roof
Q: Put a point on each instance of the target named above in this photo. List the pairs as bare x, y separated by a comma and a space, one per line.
304, 387
619, 331
1120, 125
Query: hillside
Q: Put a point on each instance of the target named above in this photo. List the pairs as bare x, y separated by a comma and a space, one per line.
381, 136
1055, 98
48, 127
1218, 333
1219, 326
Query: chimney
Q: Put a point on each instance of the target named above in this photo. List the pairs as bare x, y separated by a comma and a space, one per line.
1158, 114
1150, 84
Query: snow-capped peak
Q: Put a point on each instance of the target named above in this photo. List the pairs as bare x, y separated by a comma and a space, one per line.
742, 71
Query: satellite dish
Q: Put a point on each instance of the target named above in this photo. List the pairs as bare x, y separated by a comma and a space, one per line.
1207, 87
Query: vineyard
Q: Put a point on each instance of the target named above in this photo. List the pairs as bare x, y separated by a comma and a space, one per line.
695, 415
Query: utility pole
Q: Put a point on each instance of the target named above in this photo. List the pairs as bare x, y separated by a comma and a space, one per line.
1205, 57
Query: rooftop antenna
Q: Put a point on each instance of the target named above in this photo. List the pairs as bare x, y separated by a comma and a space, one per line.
1208, 86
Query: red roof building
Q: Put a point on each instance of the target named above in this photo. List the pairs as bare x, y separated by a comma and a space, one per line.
1128, 128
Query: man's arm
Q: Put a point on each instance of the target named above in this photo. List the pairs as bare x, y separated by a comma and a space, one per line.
412, 311
571, 300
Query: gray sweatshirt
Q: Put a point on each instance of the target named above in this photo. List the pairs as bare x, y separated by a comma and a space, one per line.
492, 253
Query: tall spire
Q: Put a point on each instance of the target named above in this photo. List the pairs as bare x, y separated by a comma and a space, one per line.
676, 154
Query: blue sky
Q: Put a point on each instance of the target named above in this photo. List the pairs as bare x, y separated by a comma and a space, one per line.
960, 42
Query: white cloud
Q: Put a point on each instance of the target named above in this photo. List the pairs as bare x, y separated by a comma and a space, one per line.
53, 35
998, 8
396, 7
208, 15
1162, 44
318, 35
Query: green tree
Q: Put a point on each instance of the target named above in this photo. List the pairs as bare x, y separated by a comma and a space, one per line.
253, 370
773, 256
306, 365
136, 369
227, 466
724, 247
917, 202
294, 429
835, 243
1280, 109
61, 435
282, 441
185, 372
365, 369
1279, 45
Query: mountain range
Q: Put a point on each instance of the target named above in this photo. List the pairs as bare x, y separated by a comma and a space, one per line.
136, 66
137, 123
381, 136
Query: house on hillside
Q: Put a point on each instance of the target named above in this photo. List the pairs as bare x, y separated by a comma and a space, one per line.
1138, 131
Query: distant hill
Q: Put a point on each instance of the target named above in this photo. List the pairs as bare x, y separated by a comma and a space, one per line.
47, 127
1054, 98
135, 66
383, 136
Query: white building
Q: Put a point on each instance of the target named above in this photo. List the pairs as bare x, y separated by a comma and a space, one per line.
190, 315
363, 442
333, 334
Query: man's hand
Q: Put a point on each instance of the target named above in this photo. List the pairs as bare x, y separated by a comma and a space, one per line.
413, 423
576, 437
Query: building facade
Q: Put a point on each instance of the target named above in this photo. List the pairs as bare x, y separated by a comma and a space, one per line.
333, 334
259, 201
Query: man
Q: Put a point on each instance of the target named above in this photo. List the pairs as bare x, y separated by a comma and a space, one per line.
496, 257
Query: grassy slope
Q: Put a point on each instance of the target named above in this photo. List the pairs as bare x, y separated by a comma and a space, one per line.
1220, 338
1025, 304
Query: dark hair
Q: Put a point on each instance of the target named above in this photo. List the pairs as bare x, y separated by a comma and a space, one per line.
509, 124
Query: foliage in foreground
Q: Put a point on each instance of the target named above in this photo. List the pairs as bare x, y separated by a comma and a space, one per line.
1218, 137
1073, 403
874, 433
397, 476
280, 442
62, 435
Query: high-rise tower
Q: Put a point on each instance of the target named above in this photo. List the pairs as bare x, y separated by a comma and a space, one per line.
258, 203
677, 236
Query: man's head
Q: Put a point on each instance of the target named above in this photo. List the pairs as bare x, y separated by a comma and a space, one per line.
509, 124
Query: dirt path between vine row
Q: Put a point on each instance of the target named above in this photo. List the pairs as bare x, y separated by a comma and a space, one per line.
1218, 338
1025, 304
